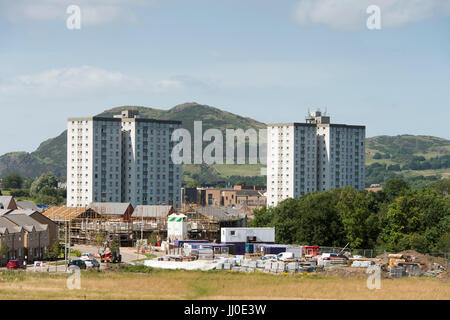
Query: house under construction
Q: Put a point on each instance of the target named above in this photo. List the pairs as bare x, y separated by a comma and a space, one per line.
126, 225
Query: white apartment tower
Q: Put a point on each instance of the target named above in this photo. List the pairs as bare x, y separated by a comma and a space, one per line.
121, 159
313, 156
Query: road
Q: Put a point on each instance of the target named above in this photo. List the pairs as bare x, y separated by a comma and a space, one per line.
128, 253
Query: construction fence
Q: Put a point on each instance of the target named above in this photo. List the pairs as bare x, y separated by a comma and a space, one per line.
372, 253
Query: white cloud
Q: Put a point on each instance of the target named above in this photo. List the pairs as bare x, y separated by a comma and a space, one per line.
67, 82
93, 12
169, 85
351, 14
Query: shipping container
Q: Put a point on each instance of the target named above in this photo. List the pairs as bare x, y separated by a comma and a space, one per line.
269, 248
247, 235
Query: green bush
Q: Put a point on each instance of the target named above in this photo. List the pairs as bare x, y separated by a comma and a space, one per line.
138, 268
76, 253
19, 193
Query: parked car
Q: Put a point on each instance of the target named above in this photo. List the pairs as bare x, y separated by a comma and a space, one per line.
269, 257
87, 256
92, 264
16, 264
78, 262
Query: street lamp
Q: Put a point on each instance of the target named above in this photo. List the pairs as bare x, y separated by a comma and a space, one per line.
65, 241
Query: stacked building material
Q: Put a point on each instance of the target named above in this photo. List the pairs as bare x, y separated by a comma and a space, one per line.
267, 267
205, 254
281, 267
397, 272
362, 263
292, 267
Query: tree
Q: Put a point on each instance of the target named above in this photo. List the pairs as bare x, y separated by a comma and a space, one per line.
442, 187
353, 209
193, 184
12, 181
55, 250
46, 180
100, 239
378, 156
152, 239
416, 220
395, 187
3, 249
311, 219
27, 182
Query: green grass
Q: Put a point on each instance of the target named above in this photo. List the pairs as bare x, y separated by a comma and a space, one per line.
147, 257
140, 282
414, 173
244, 170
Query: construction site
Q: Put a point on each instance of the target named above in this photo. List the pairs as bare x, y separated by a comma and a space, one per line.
251, 250
127, 225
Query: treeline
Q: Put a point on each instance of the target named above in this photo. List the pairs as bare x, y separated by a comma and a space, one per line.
41, 190
420, 163
397, 218
417, 163
208, 176
380, 172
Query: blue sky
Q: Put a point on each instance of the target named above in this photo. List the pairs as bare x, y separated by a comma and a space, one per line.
268, 60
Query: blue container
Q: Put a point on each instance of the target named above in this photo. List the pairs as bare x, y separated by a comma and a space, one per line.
239, 248
273, 248
249, 248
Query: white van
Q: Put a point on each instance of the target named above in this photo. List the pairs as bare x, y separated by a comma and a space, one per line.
283, 256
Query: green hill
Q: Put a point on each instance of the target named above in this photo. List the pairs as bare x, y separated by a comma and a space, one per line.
404, 147
49, 156
416, 158
189, 112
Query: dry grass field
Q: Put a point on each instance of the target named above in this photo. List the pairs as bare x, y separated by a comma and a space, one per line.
213, 285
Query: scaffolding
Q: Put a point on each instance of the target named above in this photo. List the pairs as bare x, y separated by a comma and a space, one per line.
88, 225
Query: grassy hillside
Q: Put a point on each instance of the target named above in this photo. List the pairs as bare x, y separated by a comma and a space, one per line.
404, 147
189, 112
50, 156
418, 159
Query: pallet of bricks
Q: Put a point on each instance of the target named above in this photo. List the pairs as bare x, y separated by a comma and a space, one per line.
205, 254
274, 267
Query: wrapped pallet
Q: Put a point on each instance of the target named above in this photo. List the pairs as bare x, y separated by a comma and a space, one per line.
281, 267
260, 263
292, 266
273, 267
